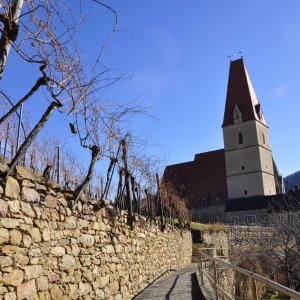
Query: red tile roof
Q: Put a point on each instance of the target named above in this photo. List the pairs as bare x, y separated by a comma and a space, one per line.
240, 92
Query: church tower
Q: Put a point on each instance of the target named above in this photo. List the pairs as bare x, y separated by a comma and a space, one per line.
248, 156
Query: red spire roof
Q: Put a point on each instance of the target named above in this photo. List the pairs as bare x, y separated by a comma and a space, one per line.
240, 93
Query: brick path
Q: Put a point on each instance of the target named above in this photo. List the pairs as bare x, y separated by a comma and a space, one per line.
181, 285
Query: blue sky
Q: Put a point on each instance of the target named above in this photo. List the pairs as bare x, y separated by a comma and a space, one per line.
177, 52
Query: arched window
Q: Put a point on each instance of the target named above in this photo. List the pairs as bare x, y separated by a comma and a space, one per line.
241, 140
263, 137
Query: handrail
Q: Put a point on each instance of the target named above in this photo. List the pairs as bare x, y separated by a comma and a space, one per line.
255, 277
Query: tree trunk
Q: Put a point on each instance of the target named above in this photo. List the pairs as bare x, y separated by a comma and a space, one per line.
133, 194
128, 200
9, 33
40, 81
21, 152
148, 206
78, 192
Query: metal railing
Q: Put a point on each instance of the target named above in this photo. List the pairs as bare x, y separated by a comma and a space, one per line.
220, 293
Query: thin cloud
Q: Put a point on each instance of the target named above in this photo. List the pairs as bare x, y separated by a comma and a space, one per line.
280, 91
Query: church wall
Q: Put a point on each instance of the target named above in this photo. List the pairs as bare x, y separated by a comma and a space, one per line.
266, 161
249, 158
251, 182
269, 184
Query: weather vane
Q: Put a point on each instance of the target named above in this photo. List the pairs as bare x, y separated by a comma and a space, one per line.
234, 55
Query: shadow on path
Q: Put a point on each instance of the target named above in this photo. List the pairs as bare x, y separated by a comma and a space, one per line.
172, 287
196, 291
181, 285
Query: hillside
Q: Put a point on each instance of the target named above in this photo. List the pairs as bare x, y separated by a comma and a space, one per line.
291, 180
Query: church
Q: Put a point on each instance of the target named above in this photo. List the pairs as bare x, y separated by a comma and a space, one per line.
244, 169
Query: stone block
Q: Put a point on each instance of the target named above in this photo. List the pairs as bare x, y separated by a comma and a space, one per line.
12, 188
84, 288
10, 296
40, 188
46, 234
5, 261
3, 208
9, 222
9, 249
53, 277
30, 195
14, 278
26, 290
42, 283
67, 262
100, 295
24, 173
14, 206
50, 202
27, 210
44, 296
70, 222
56, 293
27, 183
33, 271
87, 240
118, 297
15, 237
4, 236
35, 252
27, 241
119, 248
3, 168
103, 281
21, 260
58, 251
108, 249
35, 235
114, 287
73, 294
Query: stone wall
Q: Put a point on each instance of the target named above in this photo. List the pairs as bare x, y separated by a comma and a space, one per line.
49, 251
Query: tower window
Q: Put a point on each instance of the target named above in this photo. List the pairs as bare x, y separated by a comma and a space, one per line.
243, 168
245, 192
263, 138
241, 139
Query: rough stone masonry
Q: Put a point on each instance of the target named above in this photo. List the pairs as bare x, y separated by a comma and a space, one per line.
49, 251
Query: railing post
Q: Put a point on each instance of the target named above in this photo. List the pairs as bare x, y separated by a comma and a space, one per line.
215, 279
254, 289
201, 269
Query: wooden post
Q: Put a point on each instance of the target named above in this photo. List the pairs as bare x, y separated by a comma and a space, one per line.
19, 126
215, 279
127, 186
161, 203
201, 269
57, 165
254, 289
6, 138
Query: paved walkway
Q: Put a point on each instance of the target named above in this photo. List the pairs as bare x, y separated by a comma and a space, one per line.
181, 285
